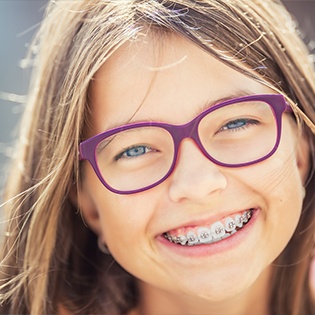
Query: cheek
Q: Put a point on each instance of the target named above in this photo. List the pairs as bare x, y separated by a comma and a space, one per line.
124, 219
124, 224
280, 179
279, 176
120, 218
277, 183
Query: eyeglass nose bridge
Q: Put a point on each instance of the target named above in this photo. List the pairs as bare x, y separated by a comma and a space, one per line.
187, 131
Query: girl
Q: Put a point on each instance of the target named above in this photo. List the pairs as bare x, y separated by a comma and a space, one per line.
165, 164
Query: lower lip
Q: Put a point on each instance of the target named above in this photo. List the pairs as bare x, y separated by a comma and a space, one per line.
222, 246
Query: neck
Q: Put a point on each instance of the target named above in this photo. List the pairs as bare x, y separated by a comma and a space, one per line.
254, 300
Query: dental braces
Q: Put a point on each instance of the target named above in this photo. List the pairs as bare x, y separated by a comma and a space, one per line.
216, 232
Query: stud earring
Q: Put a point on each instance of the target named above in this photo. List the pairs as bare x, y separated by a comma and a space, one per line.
103, 247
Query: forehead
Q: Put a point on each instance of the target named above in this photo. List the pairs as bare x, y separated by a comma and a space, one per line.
158, 78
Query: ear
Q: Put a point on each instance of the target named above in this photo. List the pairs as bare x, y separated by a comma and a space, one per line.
303, 156
82, 199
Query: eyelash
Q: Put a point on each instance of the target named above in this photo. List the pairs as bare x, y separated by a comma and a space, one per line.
123, 154
246, 124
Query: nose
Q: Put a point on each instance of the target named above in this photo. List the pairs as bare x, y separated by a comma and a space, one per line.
195, 177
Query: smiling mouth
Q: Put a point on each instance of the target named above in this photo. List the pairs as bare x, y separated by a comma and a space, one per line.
216, 232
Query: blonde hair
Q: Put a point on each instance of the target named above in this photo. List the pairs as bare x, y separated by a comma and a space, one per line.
49, 257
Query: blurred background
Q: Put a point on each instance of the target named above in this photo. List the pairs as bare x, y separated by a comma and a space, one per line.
19, 20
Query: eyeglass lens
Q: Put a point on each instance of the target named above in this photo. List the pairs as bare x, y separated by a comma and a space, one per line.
234, 134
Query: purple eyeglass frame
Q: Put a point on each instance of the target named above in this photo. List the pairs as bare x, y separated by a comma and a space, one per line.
277, 103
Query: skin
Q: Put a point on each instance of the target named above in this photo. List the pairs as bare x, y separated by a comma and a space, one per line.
171, 81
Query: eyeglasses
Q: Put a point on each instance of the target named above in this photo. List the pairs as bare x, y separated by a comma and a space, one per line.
235, 133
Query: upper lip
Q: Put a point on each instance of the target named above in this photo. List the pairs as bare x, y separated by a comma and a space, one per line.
209, 220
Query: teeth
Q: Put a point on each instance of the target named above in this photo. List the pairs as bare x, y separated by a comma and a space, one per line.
244, 217
229, 224
217, 230
214, 233
192, 238
238, 221
183, 239
204, 235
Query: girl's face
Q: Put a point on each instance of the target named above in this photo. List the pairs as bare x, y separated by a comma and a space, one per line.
171, 81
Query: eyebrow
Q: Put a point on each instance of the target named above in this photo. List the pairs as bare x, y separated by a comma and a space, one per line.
199, 110
211, 103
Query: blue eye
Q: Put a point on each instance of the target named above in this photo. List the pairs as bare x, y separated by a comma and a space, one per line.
133, 152
238, 124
